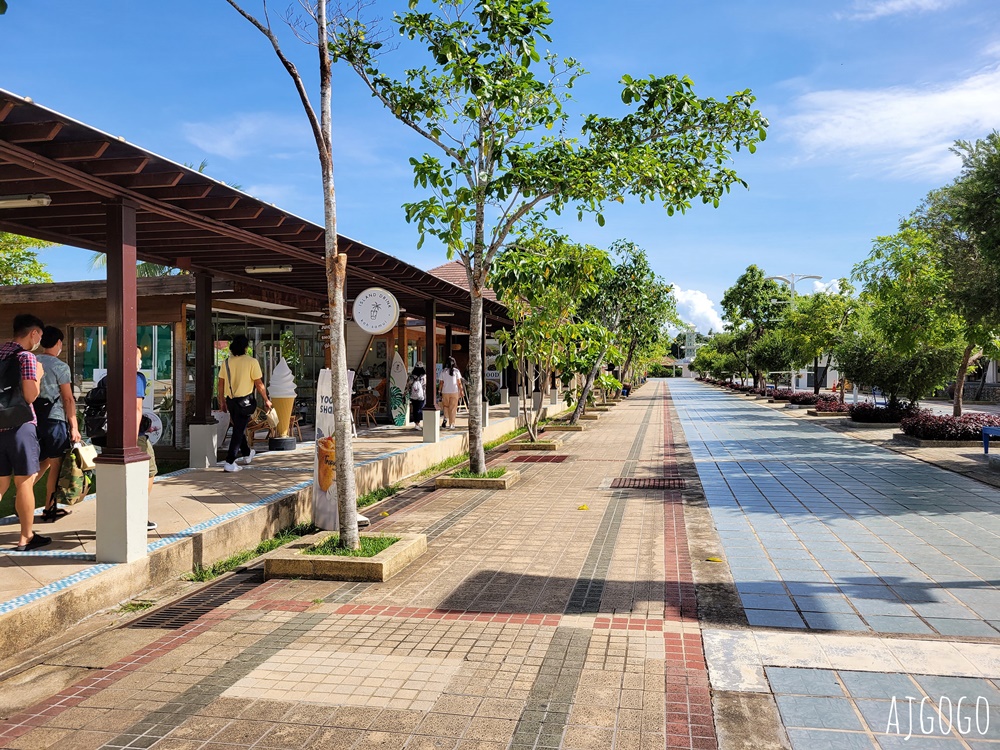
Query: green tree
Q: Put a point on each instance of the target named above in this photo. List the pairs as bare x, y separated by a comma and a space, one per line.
541, 281
493, 109
629, 295
19, 263
815, 323
774, 353
971, 278
753, 305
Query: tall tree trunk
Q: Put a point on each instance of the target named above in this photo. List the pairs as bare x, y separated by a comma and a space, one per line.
960, 381
477, 453
335, 261
816, 376
984, 368
588, 386
628, 360
336, 278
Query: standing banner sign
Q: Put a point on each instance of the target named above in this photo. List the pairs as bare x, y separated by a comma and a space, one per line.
324, 499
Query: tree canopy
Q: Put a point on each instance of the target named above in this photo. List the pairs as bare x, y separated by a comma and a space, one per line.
19, 263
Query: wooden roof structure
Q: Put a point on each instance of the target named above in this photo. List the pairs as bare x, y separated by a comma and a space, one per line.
186, 219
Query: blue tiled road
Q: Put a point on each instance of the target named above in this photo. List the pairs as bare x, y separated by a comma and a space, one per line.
825, 532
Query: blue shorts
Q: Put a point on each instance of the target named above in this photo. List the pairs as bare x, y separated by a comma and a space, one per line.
19, 451
53, 439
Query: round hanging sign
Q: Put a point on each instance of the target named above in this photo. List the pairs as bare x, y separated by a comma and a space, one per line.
376, 310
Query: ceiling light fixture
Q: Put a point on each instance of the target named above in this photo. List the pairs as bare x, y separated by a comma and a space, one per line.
268, 269
24, 201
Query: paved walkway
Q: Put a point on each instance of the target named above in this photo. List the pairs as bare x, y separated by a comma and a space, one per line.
868, 579
183, 503
560, 613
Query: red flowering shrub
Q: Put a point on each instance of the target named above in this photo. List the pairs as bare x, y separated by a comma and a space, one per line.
781, 394
831, 403
928, 426
804, 398
866, 411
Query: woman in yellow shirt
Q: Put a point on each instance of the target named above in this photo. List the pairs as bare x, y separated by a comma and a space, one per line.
238, 377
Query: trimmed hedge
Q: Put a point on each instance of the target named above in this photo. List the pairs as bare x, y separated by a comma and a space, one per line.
927, 426
866, 411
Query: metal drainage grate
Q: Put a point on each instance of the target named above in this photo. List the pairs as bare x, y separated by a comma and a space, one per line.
539, 459
187, 610
648, 483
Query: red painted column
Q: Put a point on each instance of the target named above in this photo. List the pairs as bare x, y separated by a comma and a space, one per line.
121, 335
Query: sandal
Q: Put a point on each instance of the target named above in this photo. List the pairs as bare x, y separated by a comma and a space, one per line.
53, 514
36, 541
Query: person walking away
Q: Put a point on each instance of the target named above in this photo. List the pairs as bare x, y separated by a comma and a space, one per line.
452, 391
55, 409
239, 375
20, 378
416, 390
142, 440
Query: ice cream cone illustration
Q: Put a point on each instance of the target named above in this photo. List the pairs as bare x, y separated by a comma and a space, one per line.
326, 452
281, 389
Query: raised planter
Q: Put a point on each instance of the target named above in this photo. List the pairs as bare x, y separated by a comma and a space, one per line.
815, 413
873, 425
290, 562
599, 408
539, 445
512, 476
899, 437
591, 417
564, 428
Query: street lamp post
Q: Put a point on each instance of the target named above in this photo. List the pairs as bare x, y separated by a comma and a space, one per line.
790, 279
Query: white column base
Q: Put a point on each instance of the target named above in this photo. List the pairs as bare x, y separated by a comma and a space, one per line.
486, 414
536, 400
515, 406
432, 427
504, 397
122, 511
553, 397
203, 453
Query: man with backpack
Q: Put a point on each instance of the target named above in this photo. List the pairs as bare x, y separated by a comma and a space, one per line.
20, 378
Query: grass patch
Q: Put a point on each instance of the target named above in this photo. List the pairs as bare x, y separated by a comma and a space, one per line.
488, 474
505, 438
370, 546
381, 493
232, 562
136, 605
445, 465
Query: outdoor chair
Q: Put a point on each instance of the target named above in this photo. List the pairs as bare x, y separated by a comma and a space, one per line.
258, 422
365, 405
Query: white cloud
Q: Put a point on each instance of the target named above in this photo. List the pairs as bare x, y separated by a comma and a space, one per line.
903, 131
868, 10
243, 134
825, 286
696, 308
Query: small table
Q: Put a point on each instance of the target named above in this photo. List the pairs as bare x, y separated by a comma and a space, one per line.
987, 431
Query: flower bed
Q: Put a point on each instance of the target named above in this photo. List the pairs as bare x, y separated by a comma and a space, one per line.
781, 394
869, 412
927, 426
803, 398
831, 404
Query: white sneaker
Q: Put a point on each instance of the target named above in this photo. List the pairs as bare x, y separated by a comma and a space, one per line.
247, 460
232, 467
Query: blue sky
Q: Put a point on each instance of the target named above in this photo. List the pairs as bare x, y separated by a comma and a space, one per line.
864, 98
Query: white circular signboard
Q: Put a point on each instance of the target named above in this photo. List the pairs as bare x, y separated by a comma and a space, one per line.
376, 310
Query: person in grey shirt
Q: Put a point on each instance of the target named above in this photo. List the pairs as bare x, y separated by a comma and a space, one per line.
55, 408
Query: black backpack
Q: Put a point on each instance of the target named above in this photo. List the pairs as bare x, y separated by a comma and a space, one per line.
13, 412
95, 416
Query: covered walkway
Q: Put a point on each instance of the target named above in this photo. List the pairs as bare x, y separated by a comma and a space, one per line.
66, 182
